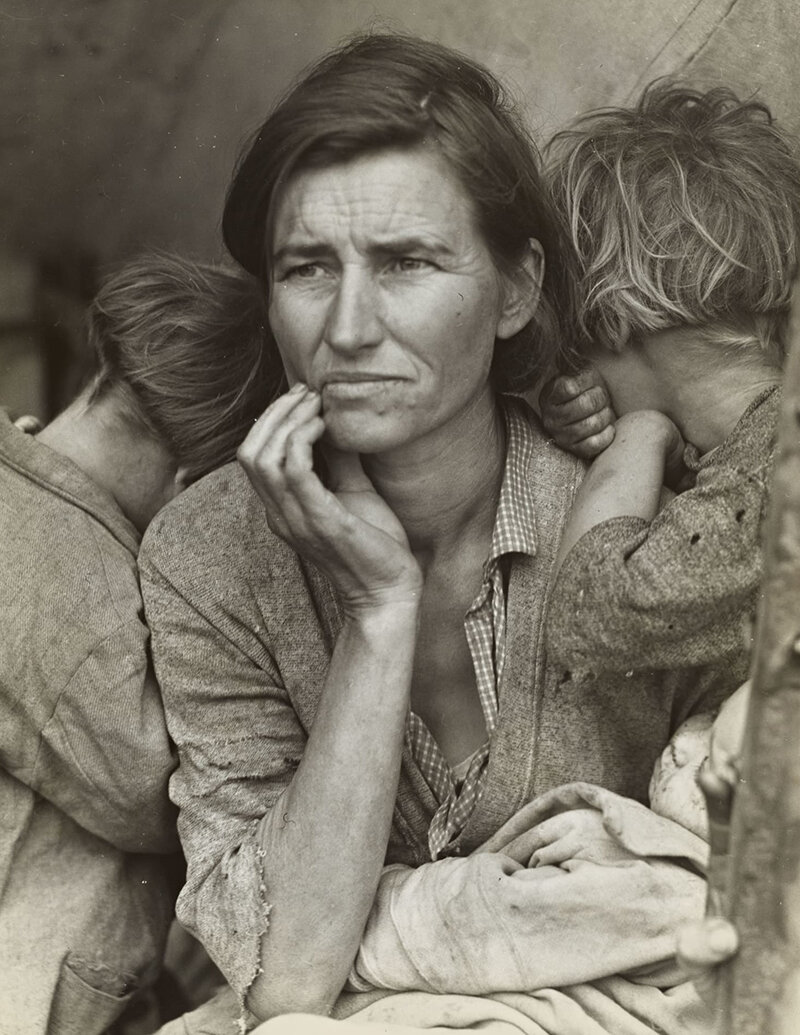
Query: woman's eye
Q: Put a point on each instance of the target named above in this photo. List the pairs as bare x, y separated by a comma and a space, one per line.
306, 271
410, 264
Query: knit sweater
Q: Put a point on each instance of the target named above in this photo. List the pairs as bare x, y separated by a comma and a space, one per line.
682, 589
243, 631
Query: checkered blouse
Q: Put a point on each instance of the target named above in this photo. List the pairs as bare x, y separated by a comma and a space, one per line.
485, 627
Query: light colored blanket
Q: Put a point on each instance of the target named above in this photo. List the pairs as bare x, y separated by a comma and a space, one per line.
582, 948
496, 943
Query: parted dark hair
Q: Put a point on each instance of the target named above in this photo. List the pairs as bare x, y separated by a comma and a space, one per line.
184, 347
684, 211
384, 91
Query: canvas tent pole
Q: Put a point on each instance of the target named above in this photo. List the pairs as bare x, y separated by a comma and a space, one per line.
759, 992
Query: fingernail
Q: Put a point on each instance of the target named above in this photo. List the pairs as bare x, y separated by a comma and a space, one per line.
298, 388
722, 938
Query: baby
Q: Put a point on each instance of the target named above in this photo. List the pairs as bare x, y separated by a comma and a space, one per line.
701, 740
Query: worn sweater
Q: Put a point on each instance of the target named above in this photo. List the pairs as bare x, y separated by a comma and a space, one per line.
85, 890
682, 589
243, 631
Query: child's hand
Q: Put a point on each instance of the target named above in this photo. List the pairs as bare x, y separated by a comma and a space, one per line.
576, 411
576, 835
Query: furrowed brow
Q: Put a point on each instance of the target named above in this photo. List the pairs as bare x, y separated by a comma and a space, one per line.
302, 251
410, 245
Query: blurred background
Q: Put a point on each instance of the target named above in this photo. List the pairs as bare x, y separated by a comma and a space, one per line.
121, 119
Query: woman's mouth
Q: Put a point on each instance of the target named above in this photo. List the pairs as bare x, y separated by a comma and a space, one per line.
357, 387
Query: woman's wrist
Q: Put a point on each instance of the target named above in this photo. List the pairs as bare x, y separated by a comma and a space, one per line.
386, 611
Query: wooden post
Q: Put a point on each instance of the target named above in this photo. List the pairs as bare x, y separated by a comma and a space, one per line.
760, 989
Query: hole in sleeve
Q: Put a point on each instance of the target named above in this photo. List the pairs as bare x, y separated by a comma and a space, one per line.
739, 515
695, 538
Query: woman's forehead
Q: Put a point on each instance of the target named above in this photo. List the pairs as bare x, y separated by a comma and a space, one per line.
384, 196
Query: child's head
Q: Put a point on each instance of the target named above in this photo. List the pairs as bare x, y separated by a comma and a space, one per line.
180, 346
684, 212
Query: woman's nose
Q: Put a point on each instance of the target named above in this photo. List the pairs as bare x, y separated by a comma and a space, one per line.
353, 319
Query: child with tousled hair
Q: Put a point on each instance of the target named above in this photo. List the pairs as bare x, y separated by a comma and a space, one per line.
87, 894
685, 214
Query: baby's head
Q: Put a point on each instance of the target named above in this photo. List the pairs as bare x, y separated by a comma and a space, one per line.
685, 213
702, 739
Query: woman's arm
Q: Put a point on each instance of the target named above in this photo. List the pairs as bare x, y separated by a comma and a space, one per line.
325, 839
310, 866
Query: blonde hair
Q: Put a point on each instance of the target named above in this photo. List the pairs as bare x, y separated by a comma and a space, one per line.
183, 345
683, 211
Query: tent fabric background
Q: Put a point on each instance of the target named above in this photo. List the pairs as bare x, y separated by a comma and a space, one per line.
122, 118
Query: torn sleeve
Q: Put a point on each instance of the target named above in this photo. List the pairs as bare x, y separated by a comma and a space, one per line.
239, 742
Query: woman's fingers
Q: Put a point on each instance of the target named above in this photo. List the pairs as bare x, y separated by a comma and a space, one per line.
345, 472
275, 422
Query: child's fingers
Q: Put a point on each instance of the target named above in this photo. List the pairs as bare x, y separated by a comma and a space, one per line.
586, 427
590, 403
589, 448
718, 789
566, 387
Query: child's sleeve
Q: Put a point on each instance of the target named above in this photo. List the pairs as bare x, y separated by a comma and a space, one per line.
675, 592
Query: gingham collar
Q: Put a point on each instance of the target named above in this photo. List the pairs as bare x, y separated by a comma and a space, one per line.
515, 521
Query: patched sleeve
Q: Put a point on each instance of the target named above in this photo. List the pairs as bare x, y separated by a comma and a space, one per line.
239, 742
104, 756
679, 591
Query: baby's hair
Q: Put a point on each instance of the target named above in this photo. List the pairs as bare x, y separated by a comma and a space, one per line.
182, 346
684, 211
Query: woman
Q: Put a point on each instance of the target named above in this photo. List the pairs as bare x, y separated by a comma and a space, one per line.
333, 707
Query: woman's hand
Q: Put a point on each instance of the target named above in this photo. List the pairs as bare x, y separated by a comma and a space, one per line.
576, 411
347, 531
578, 834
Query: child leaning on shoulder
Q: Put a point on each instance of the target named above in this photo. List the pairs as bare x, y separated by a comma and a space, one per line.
685, 214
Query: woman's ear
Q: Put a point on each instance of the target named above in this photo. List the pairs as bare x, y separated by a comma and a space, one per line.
523, 290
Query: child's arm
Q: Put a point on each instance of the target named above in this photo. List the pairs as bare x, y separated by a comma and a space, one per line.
640, 587
627, 478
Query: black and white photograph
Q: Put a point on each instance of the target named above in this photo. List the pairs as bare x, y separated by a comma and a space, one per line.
399, 517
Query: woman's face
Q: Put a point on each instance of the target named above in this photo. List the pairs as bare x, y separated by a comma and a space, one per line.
385, 298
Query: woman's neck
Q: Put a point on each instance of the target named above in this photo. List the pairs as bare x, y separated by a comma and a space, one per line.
444, 488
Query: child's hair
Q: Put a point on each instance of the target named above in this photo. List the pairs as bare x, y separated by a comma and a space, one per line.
684, 211
182, 346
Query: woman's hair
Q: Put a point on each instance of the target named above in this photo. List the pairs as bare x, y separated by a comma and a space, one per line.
182, 346
393, 91
684, 211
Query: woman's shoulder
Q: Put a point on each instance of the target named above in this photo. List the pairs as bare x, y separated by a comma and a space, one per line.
215, 524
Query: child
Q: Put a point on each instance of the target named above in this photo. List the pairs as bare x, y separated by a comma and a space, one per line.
685, 214
86, 892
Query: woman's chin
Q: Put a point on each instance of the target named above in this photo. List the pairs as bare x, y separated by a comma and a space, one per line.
363, 433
